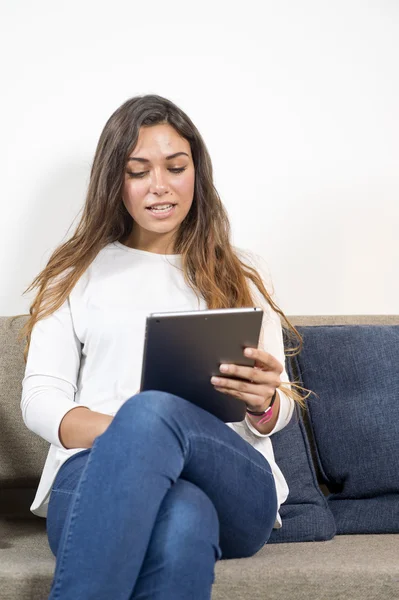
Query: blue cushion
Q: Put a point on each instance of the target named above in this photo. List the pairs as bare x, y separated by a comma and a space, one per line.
354, 369
305, 515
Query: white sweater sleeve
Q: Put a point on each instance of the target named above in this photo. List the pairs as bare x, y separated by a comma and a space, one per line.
50, 381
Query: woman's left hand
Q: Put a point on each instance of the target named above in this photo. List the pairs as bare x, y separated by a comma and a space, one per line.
261, 380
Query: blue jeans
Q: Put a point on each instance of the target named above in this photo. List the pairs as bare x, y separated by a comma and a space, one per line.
163, 493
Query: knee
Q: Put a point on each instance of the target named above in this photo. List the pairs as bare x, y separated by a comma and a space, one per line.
151, 409
187, 524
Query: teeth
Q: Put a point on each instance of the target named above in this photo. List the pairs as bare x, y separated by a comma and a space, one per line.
162, 208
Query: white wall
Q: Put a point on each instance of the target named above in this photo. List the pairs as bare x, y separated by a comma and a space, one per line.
298, 103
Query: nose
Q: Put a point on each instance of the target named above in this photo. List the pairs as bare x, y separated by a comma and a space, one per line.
158, 183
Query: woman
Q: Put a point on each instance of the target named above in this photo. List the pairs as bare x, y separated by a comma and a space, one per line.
144, 492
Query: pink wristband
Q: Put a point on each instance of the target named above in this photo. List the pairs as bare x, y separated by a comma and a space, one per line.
267, 414
267, 417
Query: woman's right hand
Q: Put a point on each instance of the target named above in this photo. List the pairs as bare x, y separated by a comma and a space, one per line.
80, 427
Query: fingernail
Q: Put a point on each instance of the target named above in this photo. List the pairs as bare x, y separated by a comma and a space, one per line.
224, 368
214, 380
248, 352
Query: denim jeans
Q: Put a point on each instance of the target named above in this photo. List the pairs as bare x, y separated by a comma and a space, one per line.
163, 493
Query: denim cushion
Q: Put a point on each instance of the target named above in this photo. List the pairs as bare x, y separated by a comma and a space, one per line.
305, 514
354, 369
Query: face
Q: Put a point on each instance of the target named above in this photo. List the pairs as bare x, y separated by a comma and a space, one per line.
159, 171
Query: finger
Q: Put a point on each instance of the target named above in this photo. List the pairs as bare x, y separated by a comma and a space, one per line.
249, 373
252, 375
265, 359
245, 387
251, 399
237, 385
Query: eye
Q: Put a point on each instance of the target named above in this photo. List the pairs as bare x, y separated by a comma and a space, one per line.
141, 174
180, 170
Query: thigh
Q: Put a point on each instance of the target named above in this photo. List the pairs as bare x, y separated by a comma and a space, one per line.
62, 492
239, 482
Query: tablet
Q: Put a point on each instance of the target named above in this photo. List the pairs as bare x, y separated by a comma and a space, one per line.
182, 350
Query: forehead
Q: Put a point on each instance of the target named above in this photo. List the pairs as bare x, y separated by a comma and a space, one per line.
159, 140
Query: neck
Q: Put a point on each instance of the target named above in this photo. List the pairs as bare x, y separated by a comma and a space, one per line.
156, 244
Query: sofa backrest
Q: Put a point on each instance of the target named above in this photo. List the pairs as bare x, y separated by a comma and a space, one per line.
23, 453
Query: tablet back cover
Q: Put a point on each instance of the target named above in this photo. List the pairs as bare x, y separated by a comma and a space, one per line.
183, 350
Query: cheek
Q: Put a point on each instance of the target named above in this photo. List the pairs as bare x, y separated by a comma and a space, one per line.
185, 187
133, 193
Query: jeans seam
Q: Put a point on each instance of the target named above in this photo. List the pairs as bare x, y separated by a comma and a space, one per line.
211, 439
71, 521
62, 491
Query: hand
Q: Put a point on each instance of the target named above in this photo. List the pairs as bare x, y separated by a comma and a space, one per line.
80, 427
262, 380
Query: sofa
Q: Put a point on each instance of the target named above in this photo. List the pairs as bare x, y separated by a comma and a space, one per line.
339, 541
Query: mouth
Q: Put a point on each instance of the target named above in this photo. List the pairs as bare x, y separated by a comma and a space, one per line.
161, 210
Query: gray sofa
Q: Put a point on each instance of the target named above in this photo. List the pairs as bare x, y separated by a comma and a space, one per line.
346, 567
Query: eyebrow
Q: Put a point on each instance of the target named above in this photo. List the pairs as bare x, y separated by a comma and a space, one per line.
145, 160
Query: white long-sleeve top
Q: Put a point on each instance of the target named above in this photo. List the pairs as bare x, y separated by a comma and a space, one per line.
89, 351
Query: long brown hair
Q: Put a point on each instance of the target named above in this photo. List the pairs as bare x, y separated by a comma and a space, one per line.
211, 267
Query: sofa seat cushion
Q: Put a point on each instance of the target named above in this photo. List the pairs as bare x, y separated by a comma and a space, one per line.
359, 567
355, 567
26, 562
354, 370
